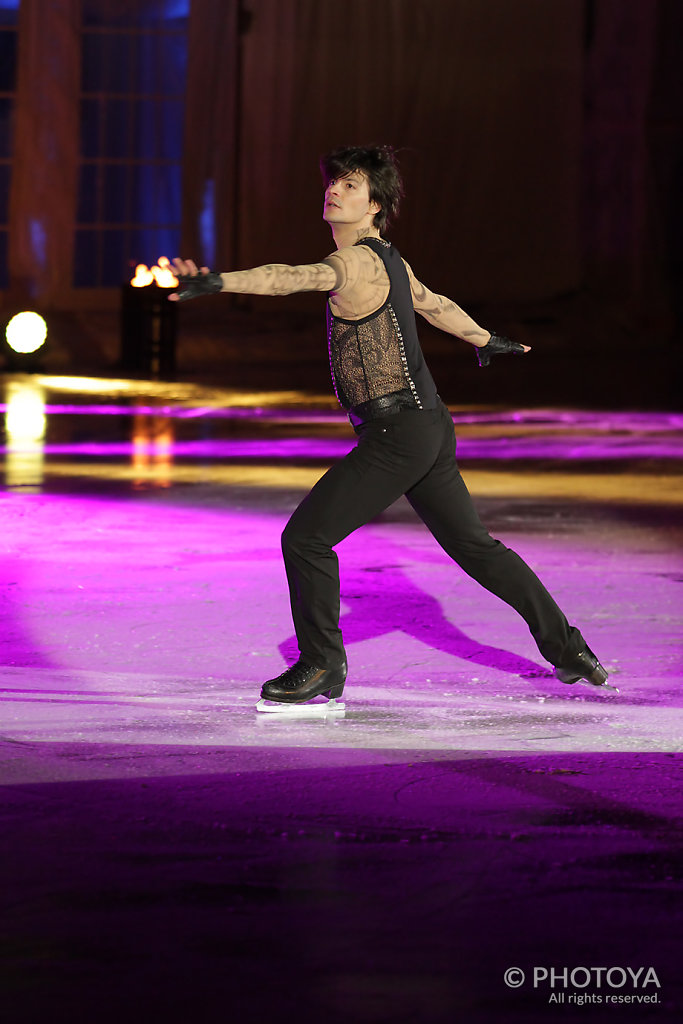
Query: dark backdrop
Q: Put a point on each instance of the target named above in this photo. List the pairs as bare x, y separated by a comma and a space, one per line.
540, 140
541, 147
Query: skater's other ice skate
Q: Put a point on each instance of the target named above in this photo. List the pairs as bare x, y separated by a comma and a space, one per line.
585, 668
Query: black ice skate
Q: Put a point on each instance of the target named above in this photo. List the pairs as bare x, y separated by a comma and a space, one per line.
295, 690
584, 667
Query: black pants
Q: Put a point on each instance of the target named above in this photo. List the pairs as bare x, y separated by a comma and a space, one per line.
413, 453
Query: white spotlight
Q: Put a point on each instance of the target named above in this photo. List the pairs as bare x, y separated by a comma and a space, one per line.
26, 332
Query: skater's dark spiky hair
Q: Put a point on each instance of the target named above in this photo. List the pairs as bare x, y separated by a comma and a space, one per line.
378, 164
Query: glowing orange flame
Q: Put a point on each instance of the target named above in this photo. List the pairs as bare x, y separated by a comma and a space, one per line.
161, 274
143, 276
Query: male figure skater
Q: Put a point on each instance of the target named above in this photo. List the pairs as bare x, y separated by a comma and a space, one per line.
406, 442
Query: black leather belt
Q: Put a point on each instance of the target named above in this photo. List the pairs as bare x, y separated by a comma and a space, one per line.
387, 405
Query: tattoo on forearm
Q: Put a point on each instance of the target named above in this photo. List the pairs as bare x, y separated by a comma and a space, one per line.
281, 279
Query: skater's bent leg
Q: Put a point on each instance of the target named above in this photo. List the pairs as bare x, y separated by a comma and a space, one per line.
351, 493
312, 571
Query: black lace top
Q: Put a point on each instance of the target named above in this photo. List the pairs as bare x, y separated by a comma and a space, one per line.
380, 354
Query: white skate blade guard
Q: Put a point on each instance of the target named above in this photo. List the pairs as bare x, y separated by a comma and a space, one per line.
310, 710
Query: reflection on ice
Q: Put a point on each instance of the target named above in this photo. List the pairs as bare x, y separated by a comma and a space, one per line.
152, 454
25, 424
159, 434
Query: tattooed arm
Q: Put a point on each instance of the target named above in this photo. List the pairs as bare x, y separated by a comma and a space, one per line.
281, 279
344, 270
271, 279
445, 314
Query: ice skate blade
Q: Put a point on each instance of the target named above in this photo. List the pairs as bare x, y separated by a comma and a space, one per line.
592, 686
596, 686
329, 707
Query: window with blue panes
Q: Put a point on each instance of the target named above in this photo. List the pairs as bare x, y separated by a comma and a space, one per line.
9, 16
133, 73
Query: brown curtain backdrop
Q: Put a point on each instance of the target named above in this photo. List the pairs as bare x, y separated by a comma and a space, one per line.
46, 141
211, 128
621, 71
522, 127
484, 101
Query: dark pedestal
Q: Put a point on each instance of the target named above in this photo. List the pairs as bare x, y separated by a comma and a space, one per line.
148, 332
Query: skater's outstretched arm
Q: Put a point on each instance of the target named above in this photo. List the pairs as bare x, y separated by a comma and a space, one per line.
270, 279
445, 314
354, 277
448, 316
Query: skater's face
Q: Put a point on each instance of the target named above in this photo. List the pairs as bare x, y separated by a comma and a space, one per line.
347, 200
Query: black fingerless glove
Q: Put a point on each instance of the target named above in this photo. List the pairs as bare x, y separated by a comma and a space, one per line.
200, 284
494, 345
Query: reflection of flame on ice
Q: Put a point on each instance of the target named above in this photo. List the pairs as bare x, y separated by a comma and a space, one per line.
161, 274
152, 450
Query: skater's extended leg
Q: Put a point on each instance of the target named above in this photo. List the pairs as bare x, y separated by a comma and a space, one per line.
442, 501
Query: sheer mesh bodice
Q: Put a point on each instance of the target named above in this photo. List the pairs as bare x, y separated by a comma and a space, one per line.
367, 358
380, 354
